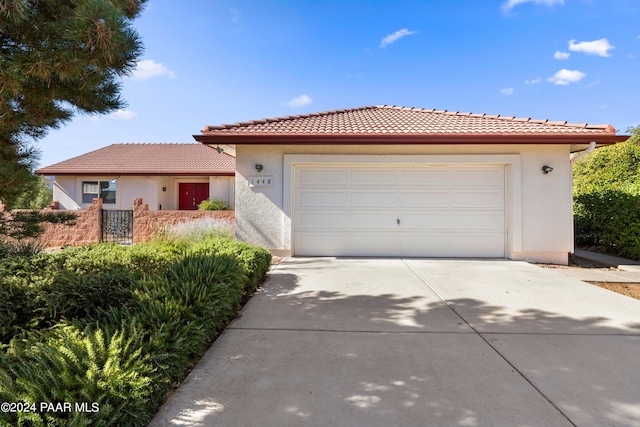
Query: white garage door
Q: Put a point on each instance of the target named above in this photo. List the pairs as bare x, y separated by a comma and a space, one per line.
420, 211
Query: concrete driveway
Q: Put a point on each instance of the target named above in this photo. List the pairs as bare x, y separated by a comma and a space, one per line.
413, 342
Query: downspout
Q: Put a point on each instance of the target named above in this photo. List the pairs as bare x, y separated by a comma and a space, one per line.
592, 146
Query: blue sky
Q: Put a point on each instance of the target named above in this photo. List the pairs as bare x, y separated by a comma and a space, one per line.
212, 62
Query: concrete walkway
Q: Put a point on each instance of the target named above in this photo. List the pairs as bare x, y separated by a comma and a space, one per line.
411, 342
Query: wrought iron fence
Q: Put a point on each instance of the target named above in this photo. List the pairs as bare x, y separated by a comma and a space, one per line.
117, 226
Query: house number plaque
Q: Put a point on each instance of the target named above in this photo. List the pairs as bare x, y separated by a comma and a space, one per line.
260, 181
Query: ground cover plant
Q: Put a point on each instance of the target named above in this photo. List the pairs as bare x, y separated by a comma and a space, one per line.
98, 335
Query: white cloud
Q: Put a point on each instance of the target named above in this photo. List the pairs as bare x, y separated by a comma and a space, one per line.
510, 4
149, 68
299, 101
392, 38
123, 115
533, 81
599, 47
564, 77
507, 91
561, 55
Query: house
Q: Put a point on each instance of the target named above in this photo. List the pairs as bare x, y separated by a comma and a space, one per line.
165, 176
394, 181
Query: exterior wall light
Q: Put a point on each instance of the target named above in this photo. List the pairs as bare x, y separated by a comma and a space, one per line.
219, 149
259, 167
546, 169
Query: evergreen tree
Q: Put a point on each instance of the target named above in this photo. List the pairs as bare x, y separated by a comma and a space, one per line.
57, 58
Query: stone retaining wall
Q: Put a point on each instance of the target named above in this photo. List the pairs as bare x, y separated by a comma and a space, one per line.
145, 224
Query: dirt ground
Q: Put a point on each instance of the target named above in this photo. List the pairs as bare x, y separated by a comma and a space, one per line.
629, 289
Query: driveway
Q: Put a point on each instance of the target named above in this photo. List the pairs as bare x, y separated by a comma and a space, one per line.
415, 342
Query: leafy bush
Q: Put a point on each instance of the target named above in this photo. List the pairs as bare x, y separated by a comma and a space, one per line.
213, 205
606, 194
254, 260
114, 325
75, 365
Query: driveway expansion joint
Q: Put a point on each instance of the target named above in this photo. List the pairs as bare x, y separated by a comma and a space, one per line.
481, 335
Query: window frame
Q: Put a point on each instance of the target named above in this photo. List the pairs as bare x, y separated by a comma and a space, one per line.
102, 188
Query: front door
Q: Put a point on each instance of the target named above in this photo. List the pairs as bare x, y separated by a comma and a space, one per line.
191, 194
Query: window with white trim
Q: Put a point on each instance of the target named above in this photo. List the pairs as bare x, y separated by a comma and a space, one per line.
106, 190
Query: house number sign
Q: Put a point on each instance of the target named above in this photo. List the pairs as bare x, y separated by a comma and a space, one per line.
260, 181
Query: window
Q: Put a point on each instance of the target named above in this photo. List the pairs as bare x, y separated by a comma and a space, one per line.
106, 190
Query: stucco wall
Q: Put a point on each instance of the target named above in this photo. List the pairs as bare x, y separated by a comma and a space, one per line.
159, 192
538, 205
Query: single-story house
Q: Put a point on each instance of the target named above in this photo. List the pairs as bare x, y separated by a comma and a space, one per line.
165, 176
394, 181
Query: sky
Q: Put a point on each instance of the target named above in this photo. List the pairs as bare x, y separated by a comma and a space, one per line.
210, 62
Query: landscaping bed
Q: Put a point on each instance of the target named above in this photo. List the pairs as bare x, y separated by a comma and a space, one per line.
99, 335
628, 289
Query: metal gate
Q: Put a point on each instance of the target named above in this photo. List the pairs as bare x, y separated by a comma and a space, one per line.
117, 226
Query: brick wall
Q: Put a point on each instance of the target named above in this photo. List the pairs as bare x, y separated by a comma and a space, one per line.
145, 224
85, 230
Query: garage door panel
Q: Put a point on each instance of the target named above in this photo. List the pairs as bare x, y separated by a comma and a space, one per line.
373, 199
490, 199
477, 177
327, 220
375, 221
321, 244
424, 199
372, 177
478, 245
322, 199
373, 244
426, 221
421, 177
484, 221
315, 177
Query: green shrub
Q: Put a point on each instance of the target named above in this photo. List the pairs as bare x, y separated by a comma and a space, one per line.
606, 198
77, 296
213, 205
75, 365
119, 326
254, 260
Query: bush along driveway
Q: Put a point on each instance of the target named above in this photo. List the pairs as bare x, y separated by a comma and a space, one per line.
99, 335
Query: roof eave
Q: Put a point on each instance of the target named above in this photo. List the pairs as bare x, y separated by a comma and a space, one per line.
94, 172
418, 139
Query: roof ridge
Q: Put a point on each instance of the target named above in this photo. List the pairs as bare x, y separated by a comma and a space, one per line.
502, 117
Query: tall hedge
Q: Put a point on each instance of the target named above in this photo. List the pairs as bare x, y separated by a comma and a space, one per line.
606, 190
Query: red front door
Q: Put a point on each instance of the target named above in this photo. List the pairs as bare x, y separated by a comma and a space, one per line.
191, 194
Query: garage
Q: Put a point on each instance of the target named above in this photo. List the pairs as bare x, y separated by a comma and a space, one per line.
393, 181
399, 210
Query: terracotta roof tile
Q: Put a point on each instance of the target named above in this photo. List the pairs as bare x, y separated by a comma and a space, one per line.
385, 119
146, 159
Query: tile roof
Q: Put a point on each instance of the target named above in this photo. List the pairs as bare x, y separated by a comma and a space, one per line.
147, 159
393, 121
